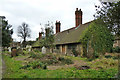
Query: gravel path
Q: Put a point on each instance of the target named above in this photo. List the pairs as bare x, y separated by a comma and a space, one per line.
2, 67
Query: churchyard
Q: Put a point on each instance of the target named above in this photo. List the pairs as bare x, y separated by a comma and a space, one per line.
35, 64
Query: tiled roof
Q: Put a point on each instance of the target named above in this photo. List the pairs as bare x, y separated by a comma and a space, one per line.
71, 35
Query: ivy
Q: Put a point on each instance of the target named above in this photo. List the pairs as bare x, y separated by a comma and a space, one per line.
98, 37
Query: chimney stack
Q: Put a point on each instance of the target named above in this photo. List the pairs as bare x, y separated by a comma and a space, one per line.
57, 26
40, 35
78, 17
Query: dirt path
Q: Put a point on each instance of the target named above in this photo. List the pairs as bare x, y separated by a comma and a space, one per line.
24, 59
2, 67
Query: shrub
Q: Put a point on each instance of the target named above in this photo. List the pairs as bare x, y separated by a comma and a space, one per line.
75, 53
108, 56
25, 67
61, 58
116, 49
39, 65
115, 57
33, 55
35, 65
20, 51
96, 55
68, 61
90, 59
36, 50
65, 60
50, 61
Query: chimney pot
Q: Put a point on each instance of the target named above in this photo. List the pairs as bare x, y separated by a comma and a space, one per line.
76, 9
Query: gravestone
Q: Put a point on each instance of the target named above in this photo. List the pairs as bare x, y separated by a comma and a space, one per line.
14, 52
9, 49
28, 48
43, 50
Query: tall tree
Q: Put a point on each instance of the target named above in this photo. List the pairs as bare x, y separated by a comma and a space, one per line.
49, 36
109, 12
7, 32
24, 32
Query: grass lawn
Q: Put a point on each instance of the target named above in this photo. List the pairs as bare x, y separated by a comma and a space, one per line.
108, 70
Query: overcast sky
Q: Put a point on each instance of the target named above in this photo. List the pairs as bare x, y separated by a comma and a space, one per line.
35, 12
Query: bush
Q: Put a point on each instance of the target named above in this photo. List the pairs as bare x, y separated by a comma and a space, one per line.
50, 61
61, 59
95, 54
75, 53
65, 61
25, 67
35, 65
116, 49
115, 57
36, 50
33, 55
108, 56
68, 61
39, 65
36, 55
90, 59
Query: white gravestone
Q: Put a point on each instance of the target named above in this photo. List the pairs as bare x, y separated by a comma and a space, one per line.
28, 48
9, 48
43, 50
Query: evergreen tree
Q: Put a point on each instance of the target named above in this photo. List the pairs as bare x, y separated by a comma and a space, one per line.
7, 32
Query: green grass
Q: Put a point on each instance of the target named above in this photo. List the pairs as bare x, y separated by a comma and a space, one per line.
13, 71
104, 63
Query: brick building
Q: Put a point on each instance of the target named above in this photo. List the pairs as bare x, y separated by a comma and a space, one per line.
69, 39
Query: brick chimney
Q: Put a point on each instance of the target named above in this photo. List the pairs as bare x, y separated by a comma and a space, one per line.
78, 17
57, 26
40, 35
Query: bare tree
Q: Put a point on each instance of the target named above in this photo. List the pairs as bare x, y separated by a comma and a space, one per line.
24, 32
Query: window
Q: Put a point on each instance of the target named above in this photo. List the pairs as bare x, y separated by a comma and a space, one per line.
72, 46
57, 47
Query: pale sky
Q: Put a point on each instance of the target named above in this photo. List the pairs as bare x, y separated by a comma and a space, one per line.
34, 12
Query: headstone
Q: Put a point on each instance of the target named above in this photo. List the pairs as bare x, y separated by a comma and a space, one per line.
28, 47
43, 50
9, 49
14, 52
